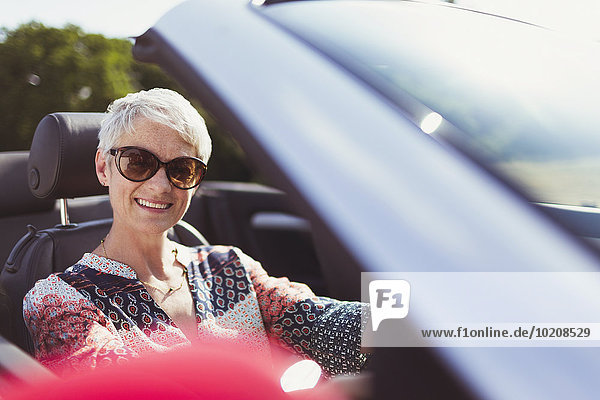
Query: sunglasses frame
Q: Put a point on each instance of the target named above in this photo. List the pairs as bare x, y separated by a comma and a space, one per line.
118, 152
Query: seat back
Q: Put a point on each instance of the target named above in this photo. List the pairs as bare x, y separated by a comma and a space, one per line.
18, 206
60, 166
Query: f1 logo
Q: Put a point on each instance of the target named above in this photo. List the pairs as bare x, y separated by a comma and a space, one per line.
389, 299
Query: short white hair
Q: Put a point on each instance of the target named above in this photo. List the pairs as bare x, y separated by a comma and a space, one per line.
163, 106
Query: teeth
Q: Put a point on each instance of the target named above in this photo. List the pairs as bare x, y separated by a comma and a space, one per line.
151, 205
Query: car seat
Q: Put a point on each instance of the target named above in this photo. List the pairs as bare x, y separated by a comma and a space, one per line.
18, 206
61, 166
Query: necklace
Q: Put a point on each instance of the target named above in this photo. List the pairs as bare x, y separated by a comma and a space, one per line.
171, 290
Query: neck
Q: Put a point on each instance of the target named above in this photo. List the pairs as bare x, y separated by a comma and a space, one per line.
148, 255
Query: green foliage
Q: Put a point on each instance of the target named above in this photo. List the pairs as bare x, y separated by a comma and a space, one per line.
45, 70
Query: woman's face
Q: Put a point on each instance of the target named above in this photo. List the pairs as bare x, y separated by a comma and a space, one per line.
151, 206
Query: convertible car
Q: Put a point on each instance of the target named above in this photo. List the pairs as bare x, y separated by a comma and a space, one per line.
396, 136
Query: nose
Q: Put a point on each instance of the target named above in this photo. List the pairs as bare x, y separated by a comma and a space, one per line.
160, 182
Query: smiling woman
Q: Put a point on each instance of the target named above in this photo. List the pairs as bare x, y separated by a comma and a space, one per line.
139, 292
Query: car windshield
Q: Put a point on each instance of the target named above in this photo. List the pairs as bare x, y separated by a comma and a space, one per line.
521, 98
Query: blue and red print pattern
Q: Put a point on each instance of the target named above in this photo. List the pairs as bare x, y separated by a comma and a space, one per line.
98, 312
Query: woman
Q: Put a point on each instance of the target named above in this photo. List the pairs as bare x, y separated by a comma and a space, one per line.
139, 292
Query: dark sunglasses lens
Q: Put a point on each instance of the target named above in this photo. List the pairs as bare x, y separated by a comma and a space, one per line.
185, 173
137, 164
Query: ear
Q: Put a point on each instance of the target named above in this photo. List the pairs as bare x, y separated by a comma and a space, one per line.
102, 168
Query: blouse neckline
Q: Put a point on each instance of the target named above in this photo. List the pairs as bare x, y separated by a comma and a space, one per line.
114, 267
107, 265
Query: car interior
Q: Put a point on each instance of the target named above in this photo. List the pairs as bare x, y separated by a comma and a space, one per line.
56, 210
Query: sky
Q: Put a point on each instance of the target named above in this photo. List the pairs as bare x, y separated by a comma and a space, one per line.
112, 18
125, 18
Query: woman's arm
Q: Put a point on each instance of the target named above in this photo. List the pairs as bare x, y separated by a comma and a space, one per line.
68, 330
326, 330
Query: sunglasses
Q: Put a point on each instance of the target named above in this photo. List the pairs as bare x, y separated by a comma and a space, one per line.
138, 165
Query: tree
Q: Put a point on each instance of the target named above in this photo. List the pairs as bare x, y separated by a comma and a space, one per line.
45, 70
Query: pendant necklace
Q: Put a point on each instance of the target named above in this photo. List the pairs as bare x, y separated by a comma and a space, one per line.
171, 290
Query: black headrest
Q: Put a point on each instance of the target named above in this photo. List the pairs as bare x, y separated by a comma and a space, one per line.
61, 159
13, 175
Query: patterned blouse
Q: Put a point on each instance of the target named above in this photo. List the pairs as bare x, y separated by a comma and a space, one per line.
97, 312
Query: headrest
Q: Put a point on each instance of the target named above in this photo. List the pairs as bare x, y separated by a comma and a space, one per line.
61, 159
13, 175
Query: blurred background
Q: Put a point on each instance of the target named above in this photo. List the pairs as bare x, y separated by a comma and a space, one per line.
76, 56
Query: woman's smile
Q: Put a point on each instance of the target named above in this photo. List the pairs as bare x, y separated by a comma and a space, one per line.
152, 204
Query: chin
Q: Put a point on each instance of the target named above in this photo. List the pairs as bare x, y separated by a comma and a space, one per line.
155, 228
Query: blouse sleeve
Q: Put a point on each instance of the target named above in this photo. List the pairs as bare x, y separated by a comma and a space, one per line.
68, 330
326, 330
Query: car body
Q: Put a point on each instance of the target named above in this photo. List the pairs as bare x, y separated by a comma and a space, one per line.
412, 144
